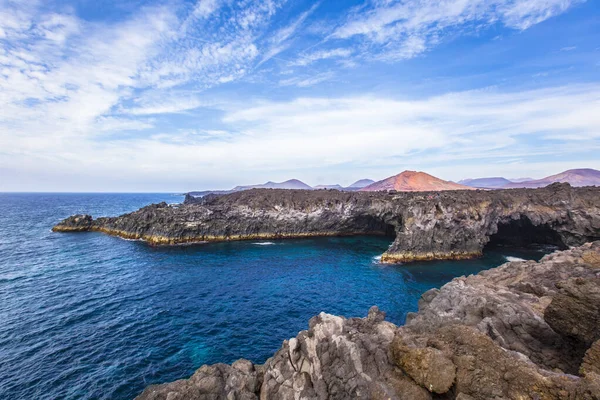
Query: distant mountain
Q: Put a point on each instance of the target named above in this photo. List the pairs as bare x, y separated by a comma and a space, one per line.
412, 181
574, 177
336, 187
290, 184
361, 184
486, 183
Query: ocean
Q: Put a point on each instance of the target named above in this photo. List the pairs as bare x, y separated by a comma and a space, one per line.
89, 316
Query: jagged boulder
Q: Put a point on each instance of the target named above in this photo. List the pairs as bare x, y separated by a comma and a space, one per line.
241, 380
336, 358
575, 311
428, 367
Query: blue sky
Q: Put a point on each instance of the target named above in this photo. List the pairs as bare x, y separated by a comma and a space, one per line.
183, 95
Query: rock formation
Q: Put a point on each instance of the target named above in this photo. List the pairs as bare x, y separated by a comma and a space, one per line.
524, 330
425, 226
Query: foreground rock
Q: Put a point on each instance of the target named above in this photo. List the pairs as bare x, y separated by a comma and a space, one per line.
488, 336
426, 225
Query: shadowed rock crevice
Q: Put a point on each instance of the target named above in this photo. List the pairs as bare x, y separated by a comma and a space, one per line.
521, 232
373, 225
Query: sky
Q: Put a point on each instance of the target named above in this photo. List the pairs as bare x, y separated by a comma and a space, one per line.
173, 95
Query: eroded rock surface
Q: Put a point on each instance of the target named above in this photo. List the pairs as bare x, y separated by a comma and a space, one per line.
424, 225
486, 336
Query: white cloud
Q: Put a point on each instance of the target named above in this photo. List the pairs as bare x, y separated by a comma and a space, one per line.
474, 129
302, 81
61, 76
163, 102
310, 58
217, 43
204, 8
172, 107
280, 40
522, 14
112, 124
68, 87
406, 29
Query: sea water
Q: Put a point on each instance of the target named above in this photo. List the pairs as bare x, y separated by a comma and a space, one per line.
89, 316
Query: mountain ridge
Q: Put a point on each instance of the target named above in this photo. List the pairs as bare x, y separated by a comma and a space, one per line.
575, 177
289, 184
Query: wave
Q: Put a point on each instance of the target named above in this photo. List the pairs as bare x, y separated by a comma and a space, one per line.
264, 243
511, 258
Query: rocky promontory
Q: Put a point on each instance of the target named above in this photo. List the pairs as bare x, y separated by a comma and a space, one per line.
525, 330
421, 225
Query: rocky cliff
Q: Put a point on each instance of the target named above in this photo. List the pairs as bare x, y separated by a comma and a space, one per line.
423, 226
524, 330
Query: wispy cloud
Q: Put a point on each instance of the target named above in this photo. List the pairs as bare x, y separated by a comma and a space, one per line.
405, 29
170, 105
58, 64
307, 59
306, 81
210, 51
280, 40
125, 97
370, 132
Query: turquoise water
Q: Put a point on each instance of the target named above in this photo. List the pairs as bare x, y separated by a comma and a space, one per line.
88, 316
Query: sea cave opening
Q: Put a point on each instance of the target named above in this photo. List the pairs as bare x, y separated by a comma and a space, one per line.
373, 225
522, 233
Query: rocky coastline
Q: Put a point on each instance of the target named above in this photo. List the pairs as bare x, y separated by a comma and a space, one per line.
523, 330
421, 225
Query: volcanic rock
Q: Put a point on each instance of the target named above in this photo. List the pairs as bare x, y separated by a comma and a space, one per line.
423, 225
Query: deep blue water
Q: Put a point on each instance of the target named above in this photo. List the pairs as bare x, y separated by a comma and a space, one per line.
88, 316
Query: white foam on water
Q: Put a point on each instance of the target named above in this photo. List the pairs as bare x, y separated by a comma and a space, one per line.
511, 258
264, 243
377, 259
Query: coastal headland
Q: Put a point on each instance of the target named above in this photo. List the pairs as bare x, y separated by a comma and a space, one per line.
421, 225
